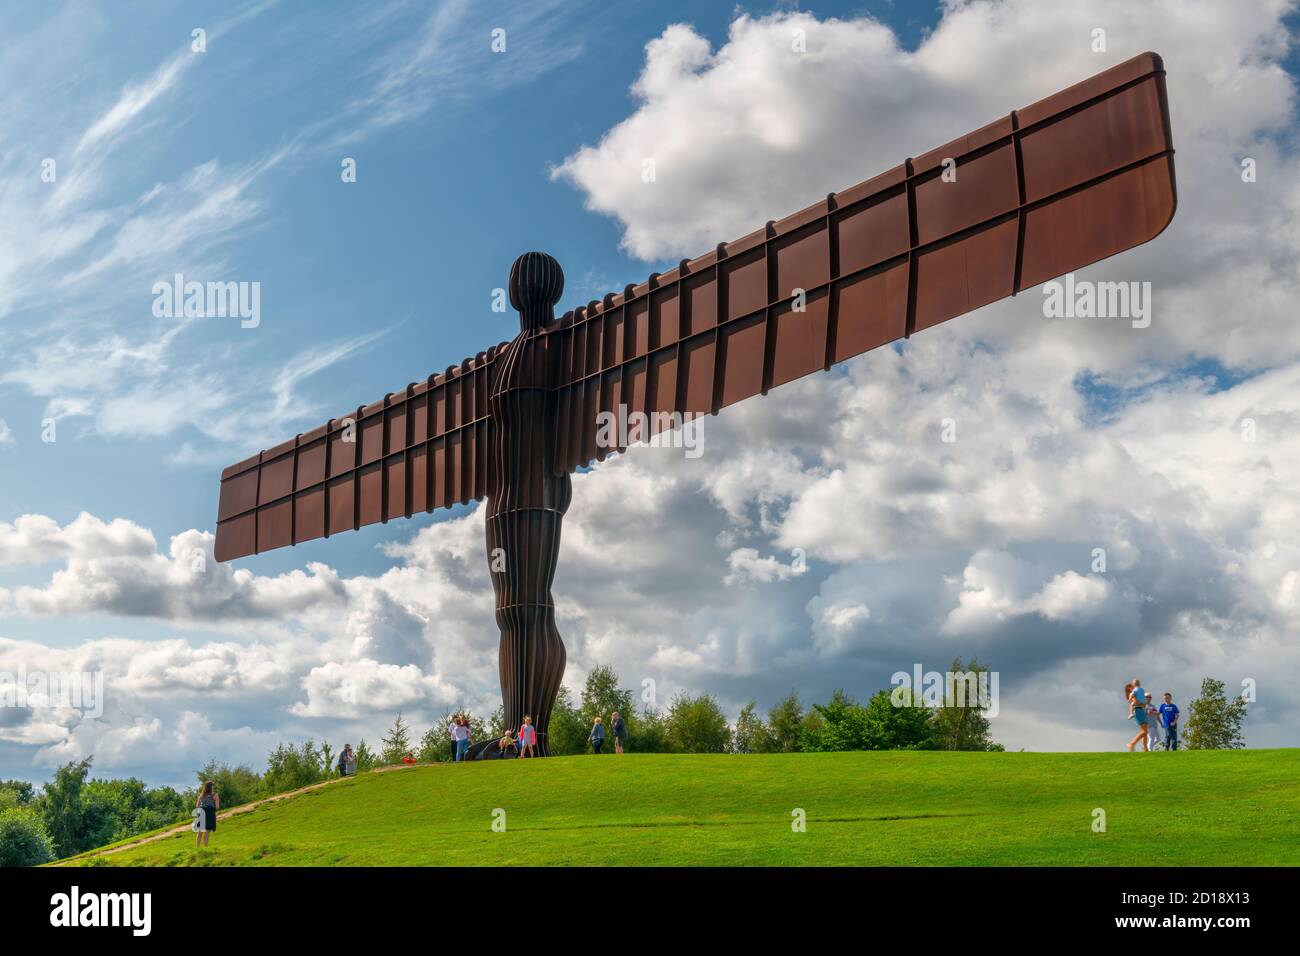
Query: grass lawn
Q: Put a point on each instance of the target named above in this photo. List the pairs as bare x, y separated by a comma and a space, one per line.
1211, 808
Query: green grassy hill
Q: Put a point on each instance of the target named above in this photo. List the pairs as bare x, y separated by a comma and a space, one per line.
1204, 808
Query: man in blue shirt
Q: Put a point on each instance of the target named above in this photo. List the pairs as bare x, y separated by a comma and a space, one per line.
1169, 719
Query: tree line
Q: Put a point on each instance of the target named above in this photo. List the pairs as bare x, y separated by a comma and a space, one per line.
72, 814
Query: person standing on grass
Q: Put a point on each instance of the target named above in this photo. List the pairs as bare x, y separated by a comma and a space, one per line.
462, 739
346, 760
1169, 717
620, 731
597, 736
1137, 711
1154, 724
209, 803
527, 738
452, 733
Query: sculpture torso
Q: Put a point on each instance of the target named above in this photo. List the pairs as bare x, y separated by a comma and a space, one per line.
522, 408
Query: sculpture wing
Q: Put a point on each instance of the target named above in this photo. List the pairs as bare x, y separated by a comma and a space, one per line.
1074, 178
423, 448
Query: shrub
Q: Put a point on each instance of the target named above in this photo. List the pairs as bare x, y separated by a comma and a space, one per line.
23, 840
696, 725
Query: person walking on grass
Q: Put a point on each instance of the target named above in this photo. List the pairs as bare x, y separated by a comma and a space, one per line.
597, 736
620, 731
207, 805
527, 738
1169, 718
1137, 711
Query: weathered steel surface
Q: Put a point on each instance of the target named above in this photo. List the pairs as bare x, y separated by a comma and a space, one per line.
1074, 178
423, 448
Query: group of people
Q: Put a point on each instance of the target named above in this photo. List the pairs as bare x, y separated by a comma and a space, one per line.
461, 737
523, 742
1153, 722
617, 728
347, 764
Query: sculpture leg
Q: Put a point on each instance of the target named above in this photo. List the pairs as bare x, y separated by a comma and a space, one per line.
523, 546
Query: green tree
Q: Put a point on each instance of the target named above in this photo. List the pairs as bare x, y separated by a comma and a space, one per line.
291, 768
879, 725
479, 729
234, 785
648, 733
751, 735
365, 757
601, 696
495, 725
785, 725
62, 809
434, 745
396, 744
696, 725
23, 840
326, 759
568, 729
960, 723
1214, 722
824, 726
163, 804
117, 809
23, 790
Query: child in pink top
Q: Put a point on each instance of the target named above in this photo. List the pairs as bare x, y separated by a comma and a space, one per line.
527, 738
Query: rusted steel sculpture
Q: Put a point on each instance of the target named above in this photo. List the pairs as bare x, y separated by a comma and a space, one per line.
1075, 178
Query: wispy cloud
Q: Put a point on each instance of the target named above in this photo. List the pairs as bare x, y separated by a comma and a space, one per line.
73, 267
135, 98
450, 60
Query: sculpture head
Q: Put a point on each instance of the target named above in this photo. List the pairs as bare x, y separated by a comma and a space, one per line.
536, 284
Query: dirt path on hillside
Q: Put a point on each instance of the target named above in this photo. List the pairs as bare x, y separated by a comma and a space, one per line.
232, 812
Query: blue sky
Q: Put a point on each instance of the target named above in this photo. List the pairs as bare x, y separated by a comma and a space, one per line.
398, 267
225, 165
